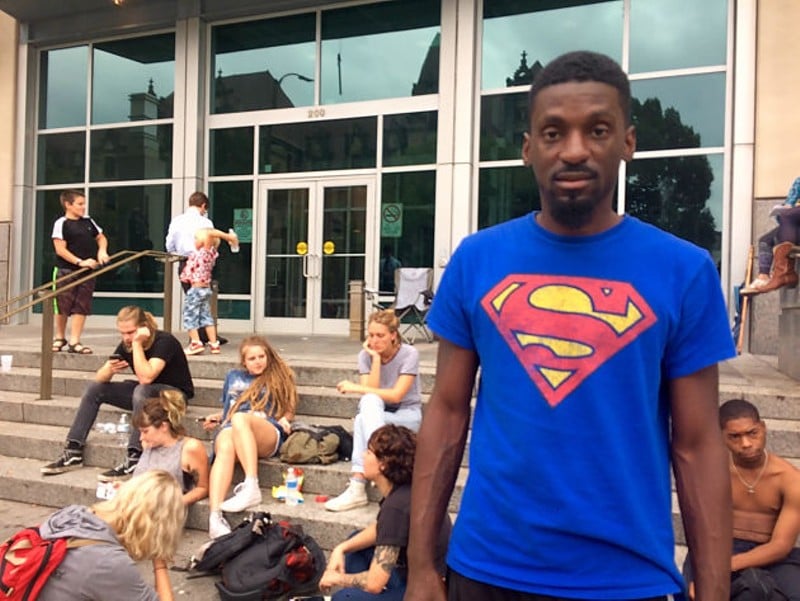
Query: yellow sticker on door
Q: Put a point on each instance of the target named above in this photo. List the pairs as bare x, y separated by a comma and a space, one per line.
328, 247
301, 248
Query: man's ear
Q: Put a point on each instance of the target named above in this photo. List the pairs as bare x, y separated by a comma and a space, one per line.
630, 144
526, 147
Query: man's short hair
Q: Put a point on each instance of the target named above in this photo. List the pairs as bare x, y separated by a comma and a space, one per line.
582, 66
736, 409
198, 199
68, 197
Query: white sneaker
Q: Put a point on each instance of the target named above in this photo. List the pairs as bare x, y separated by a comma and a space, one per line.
217, 525
245, 495
355, 495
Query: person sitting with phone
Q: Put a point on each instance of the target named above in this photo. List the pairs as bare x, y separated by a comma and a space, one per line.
158, 363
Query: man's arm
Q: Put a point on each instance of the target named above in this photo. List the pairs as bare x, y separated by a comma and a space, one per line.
146, 370
784, 535
702, 478
440, 447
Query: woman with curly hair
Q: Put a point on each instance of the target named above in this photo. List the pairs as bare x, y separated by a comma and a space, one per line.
258, 405
372, 563
166, 446
390, 394
144, 520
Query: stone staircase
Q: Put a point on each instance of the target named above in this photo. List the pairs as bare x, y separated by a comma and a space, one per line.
32, 433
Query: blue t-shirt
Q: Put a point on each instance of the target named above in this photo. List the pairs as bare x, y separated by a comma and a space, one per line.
569, 486
236, 382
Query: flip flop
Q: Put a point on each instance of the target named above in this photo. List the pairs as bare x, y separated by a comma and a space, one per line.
79, 349
59, 344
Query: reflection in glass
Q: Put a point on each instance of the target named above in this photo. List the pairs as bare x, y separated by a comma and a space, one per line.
133, 218
415, 192
505, 193
263, 64
287, 225
519, 39
61, 158
675, 34
231, 151
318, 145
131, 153
682, 195
503, 122
62, 87
409, 139
232, 270
345, 225
357, 41
134, 79
679, 112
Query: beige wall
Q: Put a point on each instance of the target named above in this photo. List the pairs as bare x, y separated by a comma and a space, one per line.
8, 77
777, 140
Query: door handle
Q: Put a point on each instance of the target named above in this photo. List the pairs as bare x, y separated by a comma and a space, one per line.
317, 266
305, 266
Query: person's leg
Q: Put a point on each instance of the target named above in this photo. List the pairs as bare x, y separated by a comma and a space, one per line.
219, 480
81, 307
789, 226
60, 326
787, 575
191, 321
410, 418
76, 328
253, 437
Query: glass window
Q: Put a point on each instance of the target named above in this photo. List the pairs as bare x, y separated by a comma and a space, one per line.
518, 40
131, 153
505, 193
134, 79
263, 64
318, 145
384, 50
504, 120
133, 218
62, 87
412, 243
233, 269
682, 195
679, 112
48, 209
675, 34
61, 158
409, 139
231, 151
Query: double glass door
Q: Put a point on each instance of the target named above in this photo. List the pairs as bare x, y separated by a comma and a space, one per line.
317, 238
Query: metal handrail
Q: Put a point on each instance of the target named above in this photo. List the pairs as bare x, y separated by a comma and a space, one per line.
125, 256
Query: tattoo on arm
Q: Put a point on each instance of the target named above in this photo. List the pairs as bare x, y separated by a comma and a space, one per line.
386, 557
359, 580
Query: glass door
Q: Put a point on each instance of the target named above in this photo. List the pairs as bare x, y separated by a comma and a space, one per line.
316, 239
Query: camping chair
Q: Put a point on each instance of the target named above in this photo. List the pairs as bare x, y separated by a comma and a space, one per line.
414, 286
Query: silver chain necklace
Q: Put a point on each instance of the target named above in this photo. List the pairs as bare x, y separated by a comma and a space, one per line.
751, 488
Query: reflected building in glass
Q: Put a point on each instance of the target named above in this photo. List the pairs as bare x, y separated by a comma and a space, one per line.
326, 133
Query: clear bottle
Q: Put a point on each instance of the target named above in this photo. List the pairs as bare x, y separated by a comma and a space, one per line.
235, 246
123, 429
292, 492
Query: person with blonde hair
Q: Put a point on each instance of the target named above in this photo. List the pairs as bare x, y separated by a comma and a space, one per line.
165, 444
144, 521
158, 363
258, 405
389, 384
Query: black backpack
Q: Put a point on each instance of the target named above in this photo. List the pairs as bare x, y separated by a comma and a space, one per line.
755, 584
261, 559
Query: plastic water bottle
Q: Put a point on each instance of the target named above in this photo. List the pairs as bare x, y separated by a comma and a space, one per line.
292, 494
234, 247
123, 429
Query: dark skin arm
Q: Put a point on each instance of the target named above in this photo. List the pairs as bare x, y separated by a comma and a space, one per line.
702, 478
440, 447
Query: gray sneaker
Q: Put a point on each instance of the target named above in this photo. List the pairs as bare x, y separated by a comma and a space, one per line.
70, 459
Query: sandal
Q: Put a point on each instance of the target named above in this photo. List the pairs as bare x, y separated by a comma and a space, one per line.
59, 344
79, 349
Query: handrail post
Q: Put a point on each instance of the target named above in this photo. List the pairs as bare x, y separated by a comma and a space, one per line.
168, 295
46, 367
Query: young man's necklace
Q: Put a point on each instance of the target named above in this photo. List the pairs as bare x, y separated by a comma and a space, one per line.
751, 488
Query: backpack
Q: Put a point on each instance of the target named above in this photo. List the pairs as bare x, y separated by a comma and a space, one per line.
261, 559
27, 560
317, 444
755, 584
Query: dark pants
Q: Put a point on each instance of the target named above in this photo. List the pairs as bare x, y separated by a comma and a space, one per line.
359, 561
128, 395
461, 588
788, 230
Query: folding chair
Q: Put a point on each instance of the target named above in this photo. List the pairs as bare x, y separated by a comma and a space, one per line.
414, 286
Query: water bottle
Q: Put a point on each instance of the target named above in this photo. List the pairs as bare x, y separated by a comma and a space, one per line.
235, 246
292, 494
123, 430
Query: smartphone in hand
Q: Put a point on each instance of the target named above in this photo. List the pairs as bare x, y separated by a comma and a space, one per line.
115, 357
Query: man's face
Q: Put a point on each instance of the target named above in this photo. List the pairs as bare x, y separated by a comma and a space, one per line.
127, 329
77, 208
577, 138
746, 439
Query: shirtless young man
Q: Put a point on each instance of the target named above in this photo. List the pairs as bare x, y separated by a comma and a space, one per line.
766, 499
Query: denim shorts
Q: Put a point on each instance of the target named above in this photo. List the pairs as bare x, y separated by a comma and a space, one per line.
197, 309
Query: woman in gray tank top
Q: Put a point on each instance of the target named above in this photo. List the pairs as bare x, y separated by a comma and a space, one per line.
166, 447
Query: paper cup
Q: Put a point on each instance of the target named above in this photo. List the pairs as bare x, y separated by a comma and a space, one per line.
5, 363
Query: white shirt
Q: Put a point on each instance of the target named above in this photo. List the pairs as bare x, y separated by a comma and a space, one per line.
180, 235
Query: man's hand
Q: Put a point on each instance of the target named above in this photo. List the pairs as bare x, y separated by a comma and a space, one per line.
142, 334
117, 365
102, 257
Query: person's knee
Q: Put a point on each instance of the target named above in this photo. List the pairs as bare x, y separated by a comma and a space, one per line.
94, 393
224, 444
370, 402
240, 420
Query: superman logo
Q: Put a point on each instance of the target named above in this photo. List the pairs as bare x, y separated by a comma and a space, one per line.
562, 329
